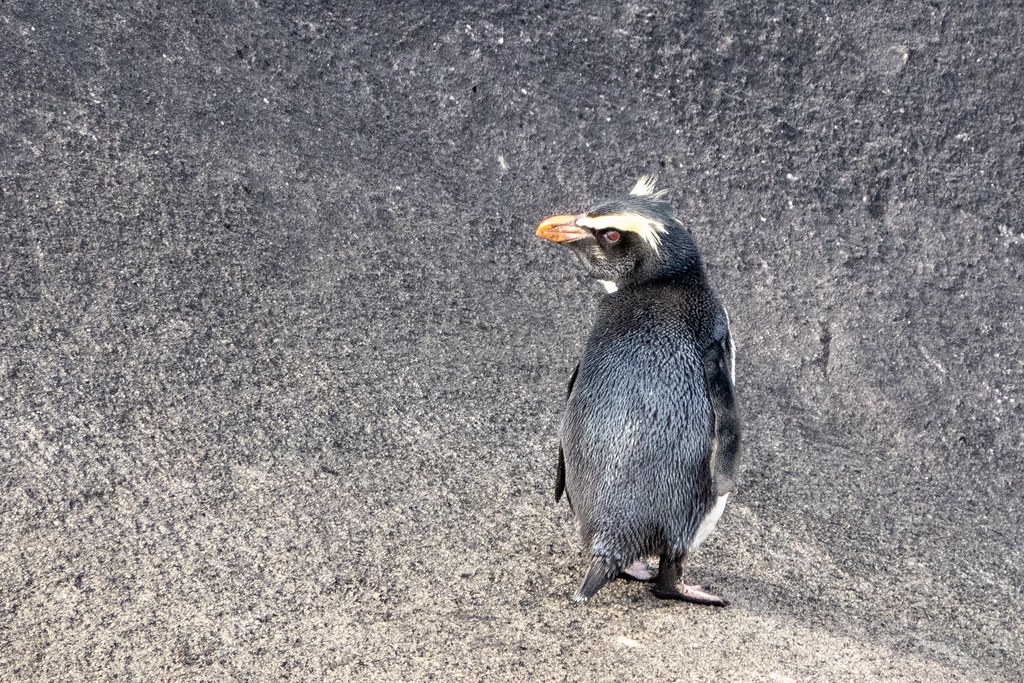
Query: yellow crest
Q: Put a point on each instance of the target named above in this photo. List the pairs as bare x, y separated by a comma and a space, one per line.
647, 228
647, 186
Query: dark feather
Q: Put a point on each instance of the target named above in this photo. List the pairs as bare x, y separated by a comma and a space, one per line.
718, 373
560, 475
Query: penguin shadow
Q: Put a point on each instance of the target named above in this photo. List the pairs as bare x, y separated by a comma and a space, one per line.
757, 596
812, 610
813, 603
824, 602
790, 602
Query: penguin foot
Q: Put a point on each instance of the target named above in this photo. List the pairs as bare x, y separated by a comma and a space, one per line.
641, 570
689, 593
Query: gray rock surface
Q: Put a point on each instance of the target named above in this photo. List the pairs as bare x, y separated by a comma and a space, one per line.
282, 363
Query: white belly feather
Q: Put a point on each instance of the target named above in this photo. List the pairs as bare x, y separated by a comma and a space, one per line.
707, 526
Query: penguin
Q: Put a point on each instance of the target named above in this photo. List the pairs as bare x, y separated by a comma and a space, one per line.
649, 443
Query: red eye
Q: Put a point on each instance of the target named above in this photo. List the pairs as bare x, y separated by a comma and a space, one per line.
611, 235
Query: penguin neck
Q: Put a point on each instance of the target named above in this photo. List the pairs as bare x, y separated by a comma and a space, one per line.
678, 262
691, 273
685, 272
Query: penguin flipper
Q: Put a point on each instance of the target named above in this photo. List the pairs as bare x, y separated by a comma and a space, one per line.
560, 476
572, 381
718, 373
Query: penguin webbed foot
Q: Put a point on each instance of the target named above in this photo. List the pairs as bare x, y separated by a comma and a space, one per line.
670, 587
690, 593
666, 578
641, 570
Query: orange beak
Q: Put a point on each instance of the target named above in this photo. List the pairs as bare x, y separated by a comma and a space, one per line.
561, 229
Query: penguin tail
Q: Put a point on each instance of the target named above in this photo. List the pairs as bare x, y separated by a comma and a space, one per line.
602, 570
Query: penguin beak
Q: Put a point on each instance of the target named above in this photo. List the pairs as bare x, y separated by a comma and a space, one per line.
561, 229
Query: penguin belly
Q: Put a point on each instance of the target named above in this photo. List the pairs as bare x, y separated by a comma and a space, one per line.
708, 524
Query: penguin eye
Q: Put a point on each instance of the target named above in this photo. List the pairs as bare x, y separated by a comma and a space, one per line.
611, 236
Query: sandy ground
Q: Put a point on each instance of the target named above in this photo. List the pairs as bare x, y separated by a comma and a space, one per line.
282, 363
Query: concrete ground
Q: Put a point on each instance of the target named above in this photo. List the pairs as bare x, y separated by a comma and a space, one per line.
282, 363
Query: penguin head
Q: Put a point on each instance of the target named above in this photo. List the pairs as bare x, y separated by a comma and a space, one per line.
627, 240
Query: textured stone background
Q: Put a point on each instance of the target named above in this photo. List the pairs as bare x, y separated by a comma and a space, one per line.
282, 363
